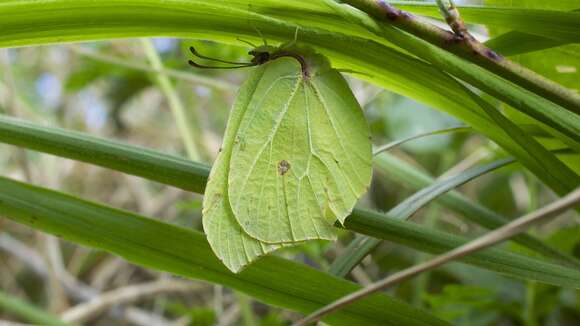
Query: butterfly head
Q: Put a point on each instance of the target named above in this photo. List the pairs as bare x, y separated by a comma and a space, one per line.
262, 54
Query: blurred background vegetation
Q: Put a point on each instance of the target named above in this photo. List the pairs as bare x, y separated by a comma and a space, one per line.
111, 89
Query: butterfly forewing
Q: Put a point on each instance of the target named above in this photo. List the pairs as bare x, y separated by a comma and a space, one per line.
299, 161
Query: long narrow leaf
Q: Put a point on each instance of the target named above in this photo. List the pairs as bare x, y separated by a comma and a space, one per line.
434, 241
345, 43
512, 43
162, 246
138, 160
554, 24
399, 171
27, 311
192, 176
531, 153
362, 246
273, 280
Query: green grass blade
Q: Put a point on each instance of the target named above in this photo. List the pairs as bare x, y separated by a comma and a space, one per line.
531, 153
140, 161
434, 241
529, 101
11, 304
362, 246
185, 252
399, 171
346, 44
554, 24
513, 43
393, 144
411, 205
279, 282
192, 176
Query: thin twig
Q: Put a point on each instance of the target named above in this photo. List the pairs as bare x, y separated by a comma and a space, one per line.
87, 310
37, 264
452, 17
182, 117
399, 142
504, 233
470, 49
141, 317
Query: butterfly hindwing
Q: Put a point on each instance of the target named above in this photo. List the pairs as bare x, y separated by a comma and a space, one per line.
233, 246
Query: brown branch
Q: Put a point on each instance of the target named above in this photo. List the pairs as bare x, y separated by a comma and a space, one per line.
469, 48
453, 18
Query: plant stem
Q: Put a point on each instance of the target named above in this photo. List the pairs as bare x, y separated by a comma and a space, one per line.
467, 47
179, 113
28, 312
452, 17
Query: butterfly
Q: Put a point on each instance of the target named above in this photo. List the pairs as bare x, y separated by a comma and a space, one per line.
296, 156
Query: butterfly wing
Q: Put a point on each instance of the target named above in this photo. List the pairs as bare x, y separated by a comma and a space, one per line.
234, 247
301, 157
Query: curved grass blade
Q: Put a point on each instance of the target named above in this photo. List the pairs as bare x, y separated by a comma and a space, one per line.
531, 153
513, 43
486, 241
11, 304
185, 252
347, 45
193, 176
399, 142
403, 173
271, 279
362, 246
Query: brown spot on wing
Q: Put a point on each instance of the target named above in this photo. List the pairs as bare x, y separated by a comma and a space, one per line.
283, 167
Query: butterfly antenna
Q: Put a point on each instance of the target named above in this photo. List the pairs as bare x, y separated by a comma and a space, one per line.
197, 65
261, 36
247, 42
199, 55
291, 44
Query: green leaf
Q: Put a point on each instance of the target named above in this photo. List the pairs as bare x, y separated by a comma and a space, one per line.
192, 176
141, 161
436, 242
532, 154
184, 252
345, 43
362, 246
526, 101
400, 171
59, 143
11, 304
536, 4
543, 21
273, 280
512, 43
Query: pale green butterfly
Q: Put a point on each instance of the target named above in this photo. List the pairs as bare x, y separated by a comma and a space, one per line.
296, 156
